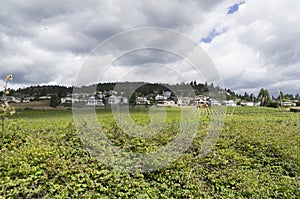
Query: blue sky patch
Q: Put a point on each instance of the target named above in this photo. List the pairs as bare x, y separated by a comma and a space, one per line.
234, 8
213, 33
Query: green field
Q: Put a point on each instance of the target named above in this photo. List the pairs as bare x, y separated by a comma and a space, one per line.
257, 156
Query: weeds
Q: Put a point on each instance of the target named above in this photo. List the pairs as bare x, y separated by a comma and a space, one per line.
5, 109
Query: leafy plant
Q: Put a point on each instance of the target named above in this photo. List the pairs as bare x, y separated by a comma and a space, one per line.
5, 109
256, 156
54, 101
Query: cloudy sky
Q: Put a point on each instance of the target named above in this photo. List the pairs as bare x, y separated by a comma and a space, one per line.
253, 43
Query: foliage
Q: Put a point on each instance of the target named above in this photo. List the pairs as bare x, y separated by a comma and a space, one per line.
256, 156
5, 109
272, 104
295, 109
54, 101
37, 91
264, 97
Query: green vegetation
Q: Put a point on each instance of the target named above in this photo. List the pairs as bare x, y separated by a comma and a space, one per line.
5, 108
295, 109
256, 156
54, 101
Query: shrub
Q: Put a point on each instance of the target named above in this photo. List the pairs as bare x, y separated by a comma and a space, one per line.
54, 101
5, 109
273, 104
295, 109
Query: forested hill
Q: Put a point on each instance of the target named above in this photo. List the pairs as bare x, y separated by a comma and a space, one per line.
145, 89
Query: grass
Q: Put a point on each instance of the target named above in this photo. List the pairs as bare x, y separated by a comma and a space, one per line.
256, 156
35, 105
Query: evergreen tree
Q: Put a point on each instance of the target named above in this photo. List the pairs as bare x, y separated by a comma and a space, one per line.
54, 101
263, 97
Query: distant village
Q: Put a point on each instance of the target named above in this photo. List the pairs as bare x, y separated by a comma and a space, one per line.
111, 97
150, 94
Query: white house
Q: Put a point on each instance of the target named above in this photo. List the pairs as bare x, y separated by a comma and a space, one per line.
124, 100
93, 101
80, 97
183, 101
167, 94
66, 100
113, 99
99, 94
160, 99
169, 103
25, 101
142, 101
286, 103
247, 103
201, 99
110, 92
230, 103
45, 97
214, 102
13, 99
28, 99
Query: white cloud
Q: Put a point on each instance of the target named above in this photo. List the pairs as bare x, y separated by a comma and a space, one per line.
261, 46
47, 41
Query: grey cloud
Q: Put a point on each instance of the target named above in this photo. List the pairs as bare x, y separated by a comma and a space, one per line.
145, 56
42, 41
208, 5
274, 35
83, 25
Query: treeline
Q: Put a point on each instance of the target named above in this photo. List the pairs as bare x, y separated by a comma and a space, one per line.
37, 91
145, 89
263, 98
263, 94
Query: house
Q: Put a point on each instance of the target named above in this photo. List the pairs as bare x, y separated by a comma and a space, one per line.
201, 99
160, 99
67, 100
72, 100
257, 103
77, 100
80, 97
167, 94
99, 94
247, 103
109, 92
45, 97
25, 101
93, 101
142, 101
214, 102
113, 99
230, 103
167, 103
286, 104
13, 99
124, 100
183, 101
28, 99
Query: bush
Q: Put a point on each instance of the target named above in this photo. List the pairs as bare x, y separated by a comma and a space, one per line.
54, 101
295, 109
273, 104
